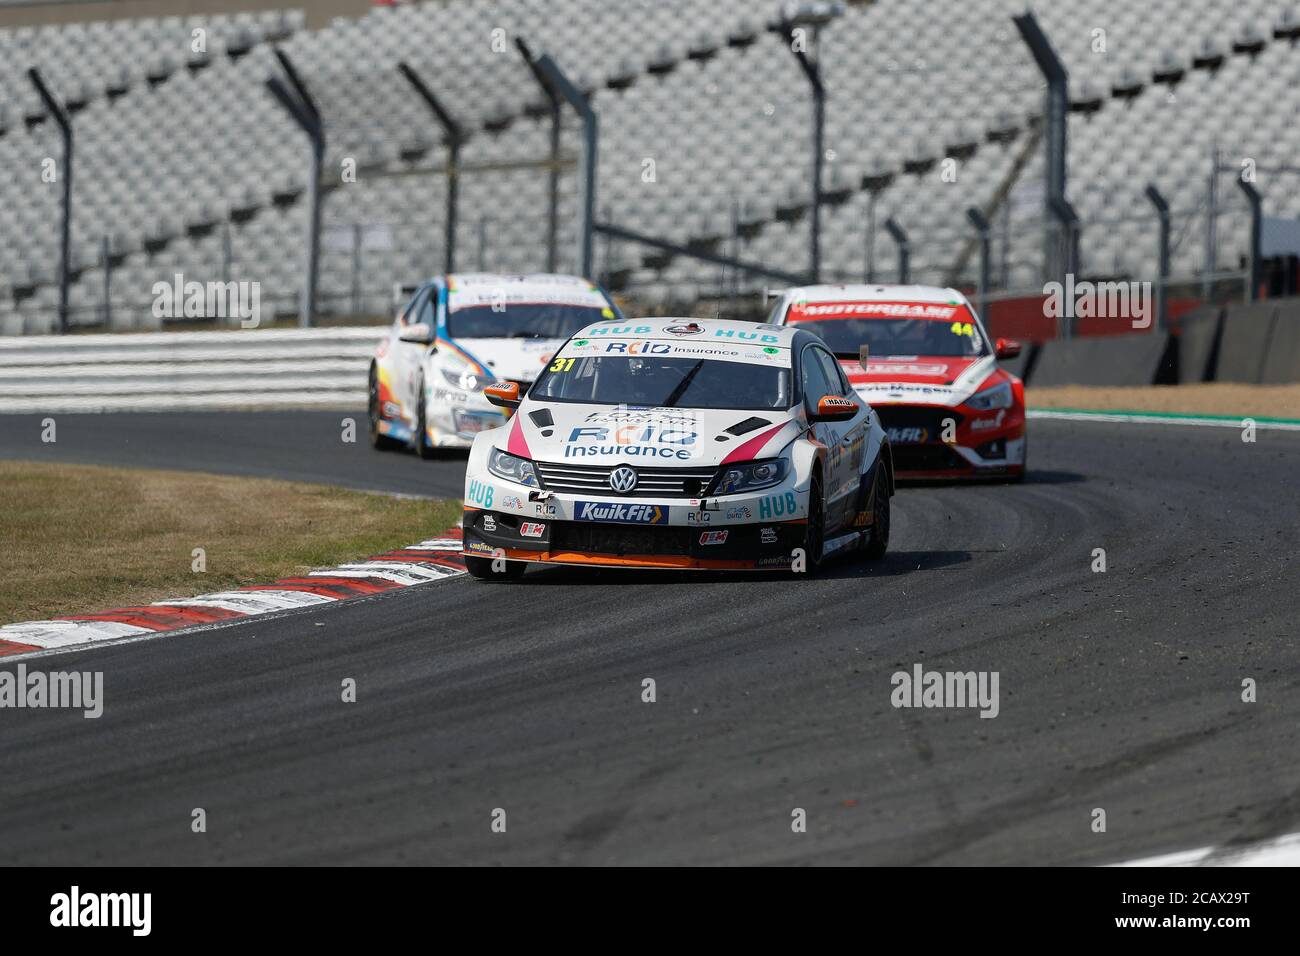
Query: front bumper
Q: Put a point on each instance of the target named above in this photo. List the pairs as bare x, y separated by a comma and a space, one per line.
713, 544
453, 418
984, 444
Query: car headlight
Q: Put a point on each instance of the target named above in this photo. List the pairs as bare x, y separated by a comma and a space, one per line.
752, 475
512, 468
999, 396
464, 377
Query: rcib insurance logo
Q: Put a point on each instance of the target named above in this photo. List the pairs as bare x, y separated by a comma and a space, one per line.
624, 513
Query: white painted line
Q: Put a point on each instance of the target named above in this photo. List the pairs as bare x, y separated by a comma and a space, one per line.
47, 634
51, 637
437, 544
1157, 419
1282, 851
354, 572
251, 602
423, 572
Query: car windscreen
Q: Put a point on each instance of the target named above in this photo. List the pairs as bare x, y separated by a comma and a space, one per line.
523, 320
948, 331
663, 381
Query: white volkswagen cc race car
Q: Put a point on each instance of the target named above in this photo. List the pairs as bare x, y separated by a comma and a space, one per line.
679, 443
457, 335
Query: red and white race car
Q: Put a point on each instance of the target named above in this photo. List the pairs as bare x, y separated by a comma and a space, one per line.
920, 357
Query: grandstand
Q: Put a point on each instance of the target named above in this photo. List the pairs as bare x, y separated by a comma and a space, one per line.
185, 163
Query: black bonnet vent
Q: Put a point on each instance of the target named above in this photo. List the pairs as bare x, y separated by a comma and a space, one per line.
542, 417
748, 425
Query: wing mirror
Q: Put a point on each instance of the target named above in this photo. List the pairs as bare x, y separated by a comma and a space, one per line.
834, 408
503, 394
417, 334
1007, 348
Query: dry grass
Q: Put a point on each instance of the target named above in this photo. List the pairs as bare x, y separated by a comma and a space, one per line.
77, 538
1216, 398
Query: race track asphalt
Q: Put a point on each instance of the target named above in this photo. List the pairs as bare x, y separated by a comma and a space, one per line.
1118, 690
302, 445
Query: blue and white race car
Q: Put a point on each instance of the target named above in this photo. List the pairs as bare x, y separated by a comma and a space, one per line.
461, 333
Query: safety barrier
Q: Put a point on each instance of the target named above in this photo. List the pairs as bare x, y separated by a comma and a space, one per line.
160, 371
1113, 360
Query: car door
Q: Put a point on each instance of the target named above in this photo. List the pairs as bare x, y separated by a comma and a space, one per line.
409, 361
852, 434
816, 384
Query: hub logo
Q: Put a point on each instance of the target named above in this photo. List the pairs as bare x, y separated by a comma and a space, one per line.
623, 513
480, 493
747, 336
777, 506
620, 330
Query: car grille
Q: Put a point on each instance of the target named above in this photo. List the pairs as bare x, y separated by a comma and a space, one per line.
909, 458
650, 482
620, 539
927, 419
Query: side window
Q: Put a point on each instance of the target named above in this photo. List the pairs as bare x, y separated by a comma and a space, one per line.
813, 377
411, 312
834, 375
424, 310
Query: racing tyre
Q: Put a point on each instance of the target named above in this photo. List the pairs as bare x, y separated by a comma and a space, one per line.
1019, 477
377, 440
427, 451
815, 535
879, 541
1024, 466
481, 568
